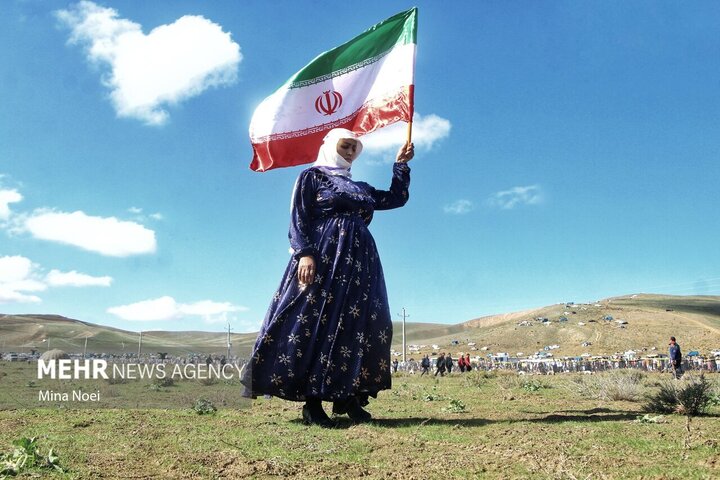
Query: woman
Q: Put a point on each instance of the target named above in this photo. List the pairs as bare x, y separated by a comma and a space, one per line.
327, 333
461, 363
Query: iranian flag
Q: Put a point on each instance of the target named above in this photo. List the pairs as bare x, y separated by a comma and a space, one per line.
362, 85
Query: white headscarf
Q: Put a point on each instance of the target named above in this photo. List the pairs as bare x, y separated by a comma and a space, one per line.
328, 156
329, 159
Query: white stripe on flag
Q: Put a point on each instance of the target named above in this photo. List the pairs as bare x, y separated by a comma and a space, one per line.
293, 109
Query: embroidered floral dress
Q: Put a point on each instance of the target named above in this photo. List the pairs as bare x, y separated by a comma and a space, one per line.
330, 339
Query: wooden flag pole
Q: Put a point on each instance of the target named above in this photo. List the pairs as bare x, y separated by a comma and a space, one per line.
411, 109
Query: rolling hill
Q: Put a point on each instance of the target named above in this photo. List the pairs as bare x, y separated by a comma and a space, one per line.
651, 319
21, 333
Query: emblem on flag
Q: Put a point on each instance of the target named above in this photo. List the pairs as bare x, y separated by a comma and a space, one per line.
328, 102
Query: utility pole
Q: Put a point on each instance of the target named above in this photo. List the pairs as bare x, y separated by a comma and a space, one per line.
140, 345
227, 358
85, 348
404, 316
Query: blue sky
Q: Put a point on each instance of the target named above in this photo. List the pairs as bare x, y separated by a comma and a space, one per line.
566, 151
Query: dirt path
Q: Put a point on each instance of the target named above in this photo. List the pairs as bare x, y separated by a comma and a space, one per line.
698, 322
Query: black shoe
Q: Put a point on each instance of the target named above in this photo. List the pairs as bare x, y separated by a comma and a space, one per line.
313, 414
340, 407
352, 407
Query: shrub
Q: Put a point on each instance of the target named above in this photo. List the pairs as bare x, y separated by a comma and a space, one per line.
532, 385
455, 406
478, 378
582, 386
204, 406
206, 382
662, 401
647, 418
616, 385
620, 385
694, 398
691, 397
27, 455
164, 382
432, 395
507, 381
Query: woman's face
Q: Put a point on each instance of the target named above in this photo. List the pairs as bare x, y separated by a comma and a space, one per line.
347, 148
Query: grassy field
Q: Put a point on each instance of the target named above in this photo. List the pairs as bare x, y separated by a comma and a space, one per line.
20, 387
471, 426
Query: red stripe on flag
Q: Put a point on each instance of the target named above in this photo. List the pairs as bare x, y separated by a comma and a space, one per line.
302, 148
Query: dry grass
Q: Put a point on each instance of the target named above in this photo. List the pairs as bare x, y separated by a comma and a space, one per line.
503, 431
615, 385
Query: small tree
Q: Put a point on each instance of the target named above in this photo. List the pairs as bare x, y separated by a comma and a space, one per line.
691, 398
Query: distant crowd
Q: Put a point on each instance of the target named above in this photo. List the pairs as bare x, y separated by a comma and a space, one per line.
444, 364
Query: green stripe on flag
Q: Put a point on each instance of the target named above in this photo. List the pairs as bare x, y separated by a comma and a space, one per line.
399, 29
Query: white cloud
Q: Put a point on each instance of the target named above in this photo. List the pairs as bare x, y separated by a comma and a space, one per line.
149, 72
57, 278
427, 130
6, 198
11, 296
17, 276
459, 207
19, 270
166, 308
163, 308
208, 307
104, 235
509, 199
222, 318
138, 212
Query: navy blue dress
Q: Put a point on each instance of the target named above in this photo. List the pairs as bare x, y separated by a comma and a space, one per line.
330, 339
